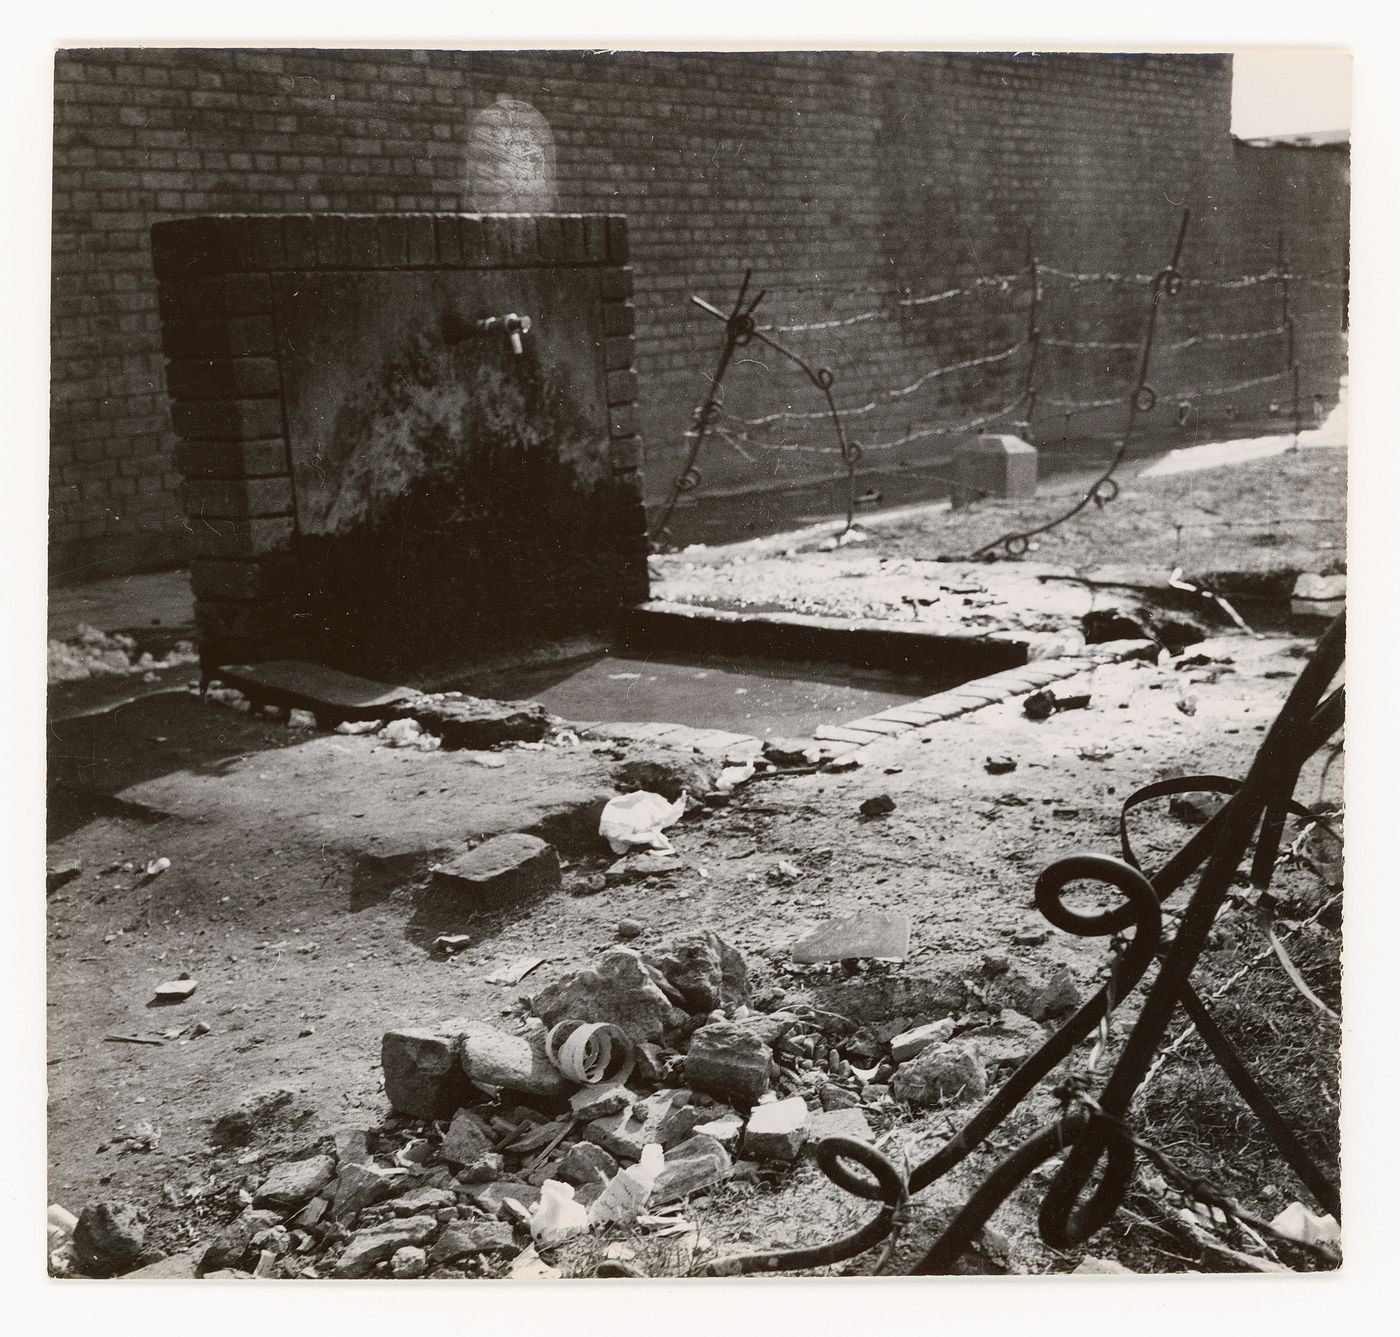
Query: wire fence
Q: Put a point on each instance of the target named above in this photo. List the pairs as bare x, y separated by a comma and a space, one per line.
1055, 365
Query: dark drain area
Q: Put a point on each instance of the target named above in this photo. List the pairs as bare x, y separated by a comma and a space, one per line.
765, 675
745, 694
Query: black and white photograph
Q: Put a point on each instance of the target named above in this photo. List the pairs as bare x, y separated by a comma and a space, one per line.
678, 663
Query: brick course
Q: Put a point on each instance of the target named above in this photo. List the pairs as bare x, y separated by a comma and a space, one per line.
834, 175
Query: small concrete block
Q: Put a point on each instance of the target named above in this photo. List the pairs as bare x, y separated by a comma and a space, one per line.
913, 1042
844, 733
881, 935
915, 716
501, 869
995, 465
777, 1130
839, 1123
421, 1073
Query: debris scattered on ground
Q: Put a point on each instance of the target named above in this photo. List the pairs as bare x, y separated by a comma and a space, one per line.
636, 821
1044, 703
879, 805
1307, 1227
175, 991
515, 971
408, 733
97, 654
353, 727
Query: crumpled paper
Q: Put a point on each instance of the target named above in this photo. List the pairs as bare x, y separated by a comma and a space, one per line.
636, 821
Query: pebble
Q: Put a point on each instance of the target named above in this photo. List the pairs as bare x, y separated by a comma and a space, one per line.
628, 929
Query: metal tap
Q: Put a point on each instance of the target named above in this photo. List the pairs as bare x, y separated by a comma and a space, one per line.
512, 325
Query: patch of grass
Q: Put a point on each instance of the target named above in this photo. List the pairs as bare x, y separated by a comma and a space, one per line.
1191, 1110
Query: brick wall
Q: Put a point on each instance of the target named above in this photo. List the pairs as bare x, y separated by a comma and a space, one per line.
835, 175
370, 474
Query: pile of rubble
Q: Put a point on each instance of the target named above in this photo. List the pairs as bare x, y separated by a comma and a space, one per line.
621, 1093
99, 654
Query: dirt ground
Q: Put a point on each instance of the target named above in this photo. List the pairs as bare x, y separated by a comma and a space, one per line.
294, 897
1273, 516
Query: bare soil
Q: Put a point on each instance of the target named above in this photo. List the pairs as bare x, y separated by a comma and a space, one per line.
295, 897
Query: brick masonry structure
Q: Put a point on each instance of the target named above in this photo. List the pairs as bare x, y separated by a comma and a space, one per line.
371, 476
844, 179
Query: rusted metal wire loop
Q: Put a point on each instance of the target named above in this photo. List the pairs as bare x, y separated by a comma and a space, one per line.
1100, 1148
823, 378
738, 331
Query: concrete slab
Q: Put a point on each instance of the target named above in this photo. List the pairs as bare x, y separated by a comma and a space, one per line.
306, 686
881, 935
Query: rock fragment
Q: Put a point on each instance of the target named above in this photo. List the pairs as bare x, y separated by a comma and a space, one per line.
839, 1123
706, 971
108, 1239
421, 1074
467, 1239
943, 1073
878, 805
294, 1183
378, 1243
912, 1043
585, 1163
691, 1167
618, 988
478, 723
729, 1060
777, 1130
361, 1186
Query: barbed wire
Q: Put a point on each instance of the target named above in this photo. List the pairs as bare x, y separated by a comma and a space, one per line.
948, 369
773, 432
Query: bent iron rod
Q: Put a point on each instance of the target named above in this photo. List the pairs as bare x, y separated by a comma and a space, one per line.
1093, 1132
